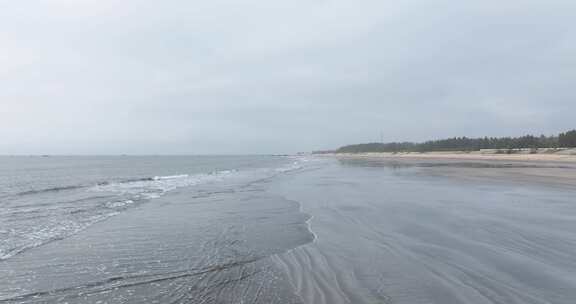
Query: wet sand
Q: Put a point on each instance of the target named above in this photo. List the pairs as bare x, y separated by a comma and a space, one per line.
553, 170
435, 232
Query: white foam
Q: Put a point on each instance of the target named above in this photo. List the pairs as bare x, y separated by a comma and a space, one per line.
296, 165
119, 204
170, 177
159, 185
51, 231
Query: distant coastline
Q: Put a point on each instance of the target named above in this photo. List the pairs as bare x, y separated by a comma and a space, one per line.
542, 155
561, 147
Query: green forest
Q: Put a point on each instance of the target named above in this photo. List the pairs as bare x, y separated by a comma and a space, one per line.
501, 144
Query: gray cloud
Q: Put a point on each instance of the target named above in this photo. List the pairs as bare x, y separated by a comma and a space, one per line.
258, 76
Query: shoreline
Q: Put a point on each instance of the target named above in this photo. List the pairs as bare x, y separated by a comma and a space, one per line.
558, 170
476, 156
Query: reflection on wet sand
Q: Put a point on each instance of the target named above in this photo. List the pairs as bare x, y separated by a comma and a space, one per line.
435, 232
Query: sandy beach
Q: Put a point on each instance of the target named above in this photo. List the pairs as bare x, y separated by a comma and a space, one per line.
551, 169
562, 156
435, 229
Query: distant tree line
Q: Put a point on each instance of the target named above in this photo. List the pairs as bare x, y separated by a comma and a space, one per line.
563, 140
567, 139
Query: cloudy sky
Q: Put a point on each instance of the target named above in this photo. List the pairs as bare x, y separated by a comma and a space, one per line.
265, 76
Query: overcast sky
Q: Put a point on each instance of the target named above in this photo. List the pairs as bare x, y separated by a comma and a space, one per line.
266, 76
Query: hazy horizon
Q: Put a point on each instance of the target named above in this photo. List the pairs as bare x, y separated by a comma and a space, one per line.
91, 77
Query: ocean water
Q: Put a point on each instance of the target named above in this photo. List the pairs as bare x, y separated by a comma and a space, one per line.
287, 230
149, 229
44, 199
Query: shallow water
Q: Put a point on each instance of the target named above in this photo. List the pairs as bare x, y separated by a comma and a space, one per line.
286, 230
199, 233
43, 199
